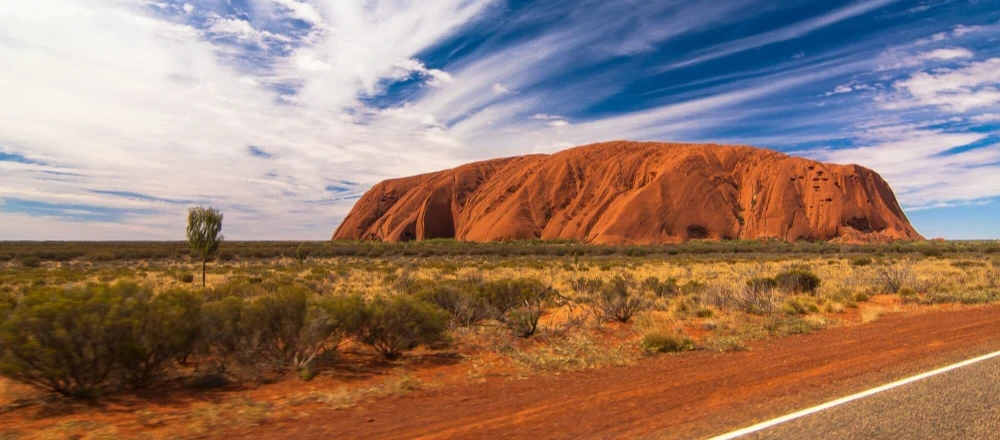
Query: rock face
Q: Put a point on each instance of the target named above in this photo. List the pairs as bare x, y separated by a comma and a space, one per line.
635, 193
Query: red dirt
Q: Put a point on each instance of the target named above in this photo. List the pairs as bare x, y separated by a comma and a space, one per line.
629, 192
688, 396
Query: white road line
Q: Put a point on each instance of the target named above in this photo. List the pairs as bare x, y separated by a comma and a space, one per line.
841, 401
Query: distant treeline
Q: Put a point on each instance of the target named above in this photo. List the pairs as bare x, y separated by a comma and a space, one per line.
258, 250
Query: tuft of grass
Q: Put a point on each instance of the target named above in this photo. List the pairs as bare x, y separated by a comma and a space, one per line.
799, 305
727, 343
574, 352
871, 314
208, 417
661, 341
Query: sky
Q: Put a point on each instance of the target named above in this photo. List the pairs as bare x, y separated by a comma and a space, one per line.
118, 115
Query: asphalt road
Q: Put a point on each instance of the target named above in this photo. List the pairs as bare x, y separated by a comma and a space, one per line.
959, 404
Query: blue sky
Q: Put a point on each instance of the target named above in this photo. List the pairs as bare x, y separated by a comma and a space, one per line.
116, 115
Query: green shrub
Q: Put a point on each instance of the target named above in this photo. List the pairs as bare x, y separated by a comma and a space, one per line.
762, 284
967, 264
31, 262
151, 331
466, 303
861, 261
291, 328
692, 287
101, 256
798, 281
84, 341
58, 340
523, 321
187, 278
799, 305
619, 299
397, 324
504, 295
661, 288
225, 333
704, 312
862, 297
659, 341
907, 294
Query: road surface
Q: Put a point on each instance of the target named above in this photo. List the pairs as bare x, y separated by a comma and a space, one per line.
960, 404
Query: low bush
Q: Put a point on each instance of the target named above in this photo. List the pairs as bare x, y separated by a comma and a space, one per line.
397, 324
907, 294
799, 305
187, 278
967, 264
755, 301
798, 281
618, 299
291, 328
891, 277
661, 288
101, 256
762, 284
463, 301
31, 262
861, 261
151, 331
661, 341
84, 341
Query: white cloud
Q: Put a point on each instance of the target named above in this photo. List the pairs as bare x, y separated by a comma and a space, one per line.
243, 31
848, 88
840, 89
188, 8
300, 10
946, 54
987, 117
436, 78
545, 117
958, 90
501, 89
151, 106
962, 30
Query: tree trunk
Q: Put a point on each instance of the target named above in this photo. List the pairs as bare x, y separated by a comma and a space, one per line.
204, 262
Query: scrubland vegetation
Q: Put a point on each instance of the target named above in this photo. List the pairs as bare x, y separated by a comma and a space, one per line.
92, 328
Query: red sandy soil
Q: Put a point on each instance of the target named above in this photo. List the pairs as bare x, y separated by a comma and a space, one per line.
691, 395
635, 193
687, 396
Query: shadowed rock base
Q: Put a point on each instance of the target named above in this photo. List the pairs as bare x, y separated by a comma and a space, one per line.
635, 193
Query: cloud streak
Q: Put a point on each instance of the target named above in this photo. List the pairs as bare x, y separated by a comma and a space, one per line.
117, 114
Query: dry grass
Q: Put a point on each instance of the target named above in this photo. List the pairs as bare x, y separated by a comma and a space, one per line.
242, 412
871, 314
574, 352
346, 397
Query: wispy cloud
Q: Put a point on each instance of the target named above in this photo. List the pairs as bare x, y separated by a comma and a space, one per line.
786, 33
117, 114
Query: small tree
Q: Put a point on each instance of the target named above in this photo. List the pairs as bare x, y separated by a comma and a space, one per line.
204, 233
